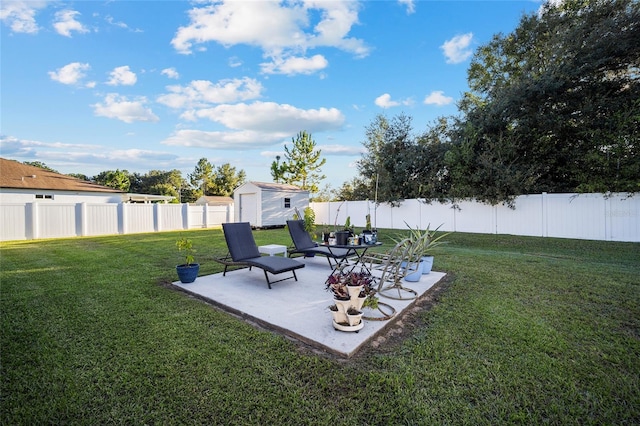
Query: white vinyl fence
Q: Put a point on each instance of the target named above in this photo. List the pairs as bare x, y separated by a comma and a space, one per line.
582, 216
47, 220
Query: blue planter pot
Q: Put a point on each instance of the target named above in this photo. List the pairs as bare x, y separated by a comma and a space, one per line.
413, 276
188, 274
427, 264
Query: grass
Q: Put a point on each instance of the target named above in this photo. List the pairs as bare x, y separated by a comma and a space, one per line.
527, 331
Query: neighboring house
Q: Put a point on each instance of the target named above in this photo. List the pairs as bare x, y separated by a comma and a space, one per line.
21, 183
214, 200
265, 204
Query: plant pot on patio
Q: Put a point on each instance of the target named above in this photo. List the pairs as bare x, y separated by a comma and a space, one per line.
188, 273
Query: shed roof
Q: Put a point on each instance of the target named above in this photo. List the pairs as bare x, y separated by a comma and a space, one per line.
276, 186
23, 176
214, 200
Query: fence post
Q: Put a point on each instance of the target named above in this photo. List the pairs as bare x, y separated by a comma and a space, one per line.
81, 219
122, 221
543, 214
157, 219
205, 215
185, 216
31, 221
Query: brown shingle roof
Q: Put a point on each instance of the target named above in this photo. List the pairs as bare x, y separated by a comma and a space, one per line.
17, 175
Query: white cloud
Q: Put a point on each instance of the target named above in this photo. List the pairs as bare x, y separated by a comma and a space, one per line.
457, 49
438, 98
119, 107
170, 73
341, 149
20, 16
70, 74
384, 101
120, 24
66, 22
223, 140
295, 65
411, 7
256, 125
234, 62
201, 93
252, 23
273, 117
122, 76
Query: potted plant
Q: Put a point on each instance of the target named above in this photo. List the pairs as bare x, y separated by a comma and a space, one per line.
351, 290
342, 237
422, 244
187, 271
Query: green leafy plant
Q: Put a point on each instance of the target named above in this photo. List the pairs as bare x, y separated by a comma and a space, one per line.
423, 241
186, 245
309, 220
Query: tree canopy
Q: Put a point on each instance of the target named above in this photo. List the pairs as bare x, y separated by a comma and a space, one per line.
302, 164
553, 106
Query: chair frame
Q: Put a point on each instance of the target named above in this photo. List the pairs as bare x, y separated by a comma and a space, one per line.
304, 245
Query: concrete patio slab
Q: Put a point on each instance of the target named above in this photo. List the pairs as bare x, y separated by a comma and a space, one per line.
297, 309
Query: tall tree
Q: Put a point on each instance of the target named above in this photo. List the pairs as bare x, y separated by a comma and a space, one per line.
278, 170
554, 105
226, 180
202, 177
389, 162
303, 163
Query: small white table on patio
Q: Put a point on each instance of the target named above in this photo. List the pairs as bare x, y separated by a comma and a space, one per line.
273, 249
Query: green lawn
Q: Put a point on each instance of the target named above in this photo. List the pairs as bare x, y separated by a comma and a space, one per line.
525, 331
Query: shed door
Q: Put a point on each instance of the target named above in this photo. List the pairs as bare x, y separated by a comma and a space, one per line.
249, 208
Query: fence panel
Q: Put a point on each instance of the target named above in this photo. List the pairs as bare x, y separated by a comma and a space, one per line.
437, 214
169, 217
138, 218
196, 216
100, 219
56, 221
475, 217
575, 216
623, 218
13, 220
526, 219
217, 215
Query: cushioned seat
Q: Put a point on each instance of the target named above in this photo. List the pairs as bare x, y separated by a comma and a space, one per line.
244, 251
304, 244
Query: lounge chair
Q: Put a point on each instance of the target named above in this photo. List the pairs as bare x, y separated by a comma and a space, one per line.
306, 246
244, 251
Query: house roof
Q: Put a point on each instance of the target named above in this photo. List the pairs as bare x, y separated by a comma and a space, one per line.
22, 176
276, 186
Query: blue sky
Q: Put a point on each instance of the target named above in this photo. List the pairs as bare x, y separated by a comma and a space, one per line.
90, 86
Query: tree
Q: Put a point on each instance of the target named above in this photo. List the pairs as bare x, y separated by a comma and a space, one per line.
116, 179
40, 164
202, 177
226, 180
278, 170
389, 161
302, 164
553, 106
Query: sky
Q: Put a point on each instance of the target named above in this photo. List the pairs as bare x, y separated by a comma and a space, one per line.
90, 86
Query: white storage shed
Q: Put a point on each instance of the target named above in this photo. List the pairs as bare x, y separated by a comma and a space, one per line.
264, 204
